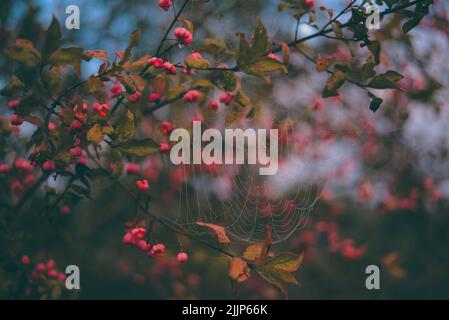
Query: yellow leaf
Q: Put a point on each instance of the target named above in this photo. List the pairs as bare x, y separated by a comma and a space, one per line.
239, 270
253, 251
324, 63
286, 261
219, 231
95, 134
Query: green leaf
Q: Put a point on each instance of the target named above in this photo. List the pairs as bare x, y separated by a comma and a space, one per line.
375, 102
125, 128
193, 63
52, 38
259, 45
68, 56
273, 278
375, 48
285, 261
95, 134
139, 148
23, 51
263, 66
368, 68
242, 99
386, 81
243, 52
229, 81
334, 82
13, 86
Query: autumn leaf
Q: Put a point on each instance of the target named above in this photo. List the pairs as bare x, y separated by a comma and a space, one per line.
286, 261
100, 54
23, 51
95, 134
219, 231
324, 63
239, 270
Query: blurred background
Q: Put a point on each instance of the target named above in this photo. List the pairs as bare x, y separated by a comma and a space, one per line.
356, 188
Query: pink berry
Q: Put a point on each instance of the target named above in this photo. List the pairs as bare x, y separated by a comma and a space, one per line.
49, 165
135, 96
139, 233
271, 55
132, 168
65, 210
143, 245
226, 98
192, 96
154, 97
142, 184
76, 151
76, 126
26, 260
13, 104
129, 239
4, 167
166, 127
116, 90
52, 126
169, 68
16, 120
182, 257
165, 4
183, 36
155, 62
213, 105
164, 147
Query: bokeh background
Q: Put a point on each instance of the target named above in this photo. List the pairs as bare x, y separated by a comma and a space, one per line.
383, 177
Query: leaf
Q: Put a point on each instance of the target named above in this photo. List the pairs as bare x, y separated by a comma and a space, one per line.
239, 270
375, 48
334, 82
189, 25
23, 51
68, 56
95, 134
368, 68
336, 26
133, 42
229, 80
93, 84
193, 63
263, 66
386, 81
375, 102
138, 81
214, 46
52, 38
34, 120
219, 231
203, 83
139, 148
253, 251
244, 52
242, 99
100, 54
272, 278
125, 128
286, 261
285, 53
12, 87
259, 43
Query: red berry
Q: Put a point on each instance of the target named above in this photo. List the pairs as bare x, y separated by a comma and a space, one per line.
135, 96
192, 96
76, 151
128, 238
164, 147
165, 4
26, 260
182, 257
23, 165
226, 98
183, 36
132, 168
16, 120
142, 184
4, 167
213, 105
116, 90
75, 126
65, 210
169, 68
155, 62
139, 233
49, 165
309, 3
166, 127
154, 97
13, 103
52, 126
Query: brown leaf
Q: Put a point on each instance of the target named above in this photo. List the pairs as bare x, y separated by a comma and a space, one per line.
219, 231
239, 270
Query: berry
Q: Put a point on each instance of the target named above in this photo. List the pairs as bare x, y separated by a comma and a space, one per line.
13, 104
226, 98
183, 36
52, 126
142, 184
76, 126
154, 97
155, 62
101, 108
116, 90
271, 55
192, 96
169, 68
4, 167
23, 165
309, 3
213, 105
143, 245
129, 239
164, 147
49, 165
132, 168
26, 260
165, 4
65, 210
182, 257
166, 127
135, 96
76, 151
16, 120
